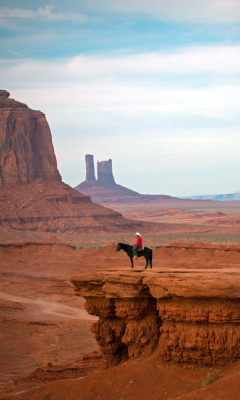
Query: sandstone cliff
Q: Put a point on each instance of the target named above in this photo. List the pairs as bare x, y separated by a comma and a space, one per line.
179, 315
32, 194
26, 144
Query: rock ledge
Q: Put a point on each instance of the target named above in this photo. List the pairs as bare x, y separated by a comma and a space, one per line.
179, 315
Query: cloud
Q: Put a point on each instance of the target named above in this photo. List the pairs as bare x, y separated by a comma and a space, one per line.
220, 60
197, 11
152, 83
43, 13
169, 109
196, 61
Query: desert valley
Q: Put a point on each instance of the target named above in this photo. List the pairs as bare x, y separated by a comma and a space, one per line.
76, 321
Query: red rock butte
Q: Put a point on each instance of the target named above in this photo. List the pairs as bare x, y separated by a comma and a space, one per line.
33, 197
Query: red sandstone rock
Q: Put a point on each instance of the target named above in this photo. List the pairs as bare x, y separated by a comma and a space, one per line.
56, 207
26, 144
87, 365
177, 315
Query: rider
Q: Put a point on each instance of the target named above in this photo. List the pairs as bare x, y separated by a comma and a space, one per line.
137, 244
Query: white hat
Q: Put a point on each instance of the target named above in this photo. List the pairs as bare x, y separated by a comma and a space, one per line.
137, 234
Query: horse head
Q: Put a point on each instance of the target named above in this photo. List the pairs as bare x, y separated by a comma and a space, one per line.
118, 248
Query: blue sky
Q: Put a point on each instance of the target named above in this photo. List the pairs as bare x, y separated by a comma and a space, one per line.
153, 85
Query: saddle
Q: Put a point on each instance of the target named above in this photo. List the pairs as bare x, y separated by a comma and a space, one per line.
141, 248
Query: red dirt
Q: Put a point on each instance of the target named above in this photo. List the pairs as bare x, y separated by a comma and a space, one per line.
42, 322
180, 216
140, 380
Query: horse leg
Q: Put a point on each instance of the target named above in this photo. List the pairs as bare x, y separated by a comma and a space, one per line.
146, 263
131, 258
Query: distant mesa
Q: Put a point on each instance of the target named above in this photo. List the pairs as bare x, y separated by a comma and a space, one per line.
104, 189
33, 196
219, 197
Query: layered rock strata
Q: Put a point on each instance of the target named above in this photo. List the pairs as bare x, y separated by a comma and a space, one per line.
26, 144
190, 316
56, 207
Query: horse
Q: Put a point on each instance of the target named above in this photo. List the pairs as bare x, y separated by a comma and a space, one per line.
146, 252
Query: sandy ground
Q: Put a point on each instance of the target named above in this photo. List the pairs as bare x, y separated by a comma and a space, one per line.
41, 321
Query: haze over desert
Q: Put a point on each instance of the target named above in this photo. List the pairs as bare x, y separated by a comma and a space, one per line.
119, 123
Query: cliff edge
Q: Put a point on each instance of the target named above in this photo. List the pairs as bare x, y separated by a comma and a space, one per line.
176, 315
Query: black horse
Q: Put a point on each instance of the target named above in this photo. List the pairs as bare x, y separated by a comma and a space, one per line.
146, 252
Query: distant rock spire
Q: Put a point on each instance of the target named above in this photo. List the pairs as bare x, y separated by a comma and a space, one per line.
90, 170
105, 174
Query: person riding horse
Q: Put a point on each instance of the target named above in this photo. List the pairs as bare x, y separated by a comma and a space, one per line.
145, 252
137, 244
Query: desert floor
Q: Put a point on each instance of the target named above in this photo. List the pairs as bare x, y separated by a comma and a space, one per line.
43, 322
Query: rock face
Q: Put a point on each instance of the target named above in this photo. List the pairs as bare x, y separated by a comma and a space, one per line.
26, 144
180, 315
32, 195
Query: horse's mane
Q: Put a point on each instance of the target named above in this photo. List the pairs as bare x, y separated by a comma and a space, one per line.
125, 244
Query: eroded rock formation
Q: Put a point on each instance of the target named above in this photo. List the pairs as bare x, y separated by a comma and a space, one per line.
90, 173
26, 144
178, 315
32, 195
105, 173
104, 189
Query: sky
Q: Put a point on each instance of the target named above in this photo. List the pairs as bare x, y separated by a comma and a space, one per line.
154, 85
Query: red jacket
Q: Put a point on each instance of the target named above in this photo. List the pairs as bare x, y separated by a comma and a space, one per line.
138, 241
